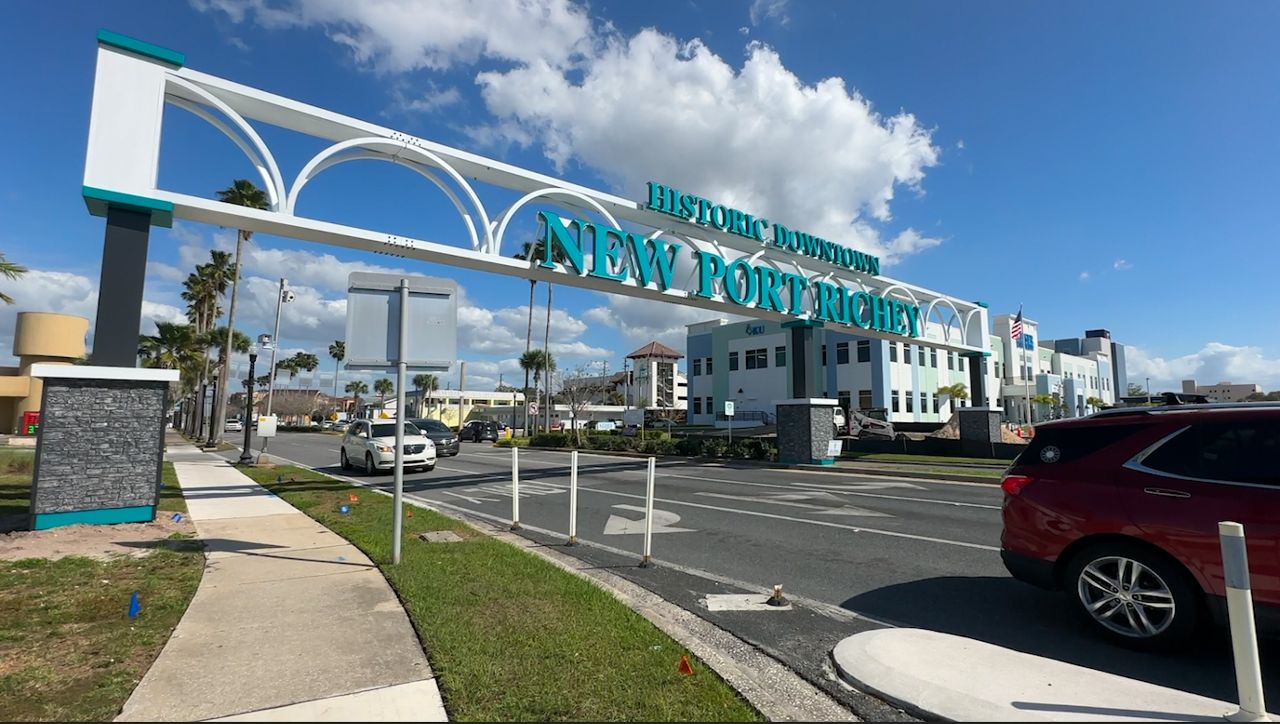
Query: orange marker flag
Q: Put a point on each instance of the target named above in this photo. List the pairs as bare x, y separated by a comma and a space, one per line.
352, 498
685, 667
408, 513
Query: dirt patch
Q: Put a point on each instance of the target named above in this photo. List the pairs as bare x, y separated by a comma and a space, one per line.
99, 542
951, 431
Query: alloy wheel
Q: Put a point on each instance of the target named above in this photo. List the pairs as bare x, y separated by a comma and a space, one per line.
1126, 596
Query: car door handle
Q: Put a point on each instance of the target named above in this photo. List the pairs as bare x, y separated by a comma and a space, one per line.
1167, 493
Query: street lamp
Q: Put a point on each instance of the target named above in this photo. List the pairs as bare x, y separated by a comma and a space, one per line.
245, 457
1148, 390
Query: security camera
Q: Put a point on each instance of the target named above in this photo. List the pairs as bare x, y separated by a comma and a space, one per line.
287, 296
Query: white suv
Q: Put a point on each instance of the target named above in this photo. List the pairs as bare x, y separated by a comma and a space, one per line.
372, 446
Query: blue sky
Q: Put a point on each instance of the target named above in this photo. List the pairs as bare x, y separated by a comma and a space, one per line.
1106, 165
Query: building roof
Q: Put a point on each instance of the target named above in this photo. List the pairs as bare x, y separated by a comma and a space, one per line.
655, 349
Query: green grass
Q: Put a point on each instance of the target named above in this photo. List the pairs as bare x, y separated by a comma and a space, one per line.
510, 636
68, 650
15, 488
907, 458
170, 492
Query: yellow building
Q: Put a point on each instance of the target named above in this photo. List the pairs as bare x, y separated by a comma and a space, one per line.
38, 337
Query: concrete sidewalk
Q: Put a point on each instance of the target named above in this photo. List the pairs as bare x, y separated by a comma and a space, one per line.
291, 622
940, 676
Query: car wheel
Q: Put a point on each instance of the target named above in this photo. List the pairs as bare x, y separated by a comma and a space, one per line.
346, 462
369, 468
1133, 596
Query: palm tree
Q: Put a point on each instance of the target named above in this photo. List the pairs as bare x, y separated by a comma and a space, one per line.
955, 392
384, 387
173, 346
1050, 401
356, 388
288, 365
531, 363
305, 361
203, 290
10, 270
425, 382
1095, 402
338, 351
528, 252
241, 192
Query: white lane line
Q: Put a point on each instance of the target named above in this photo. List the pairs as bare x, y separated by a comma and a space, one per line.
838, 489
822, 509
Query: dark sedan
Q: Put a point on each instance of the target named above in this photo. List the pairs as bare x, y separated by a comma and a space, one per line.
442, 435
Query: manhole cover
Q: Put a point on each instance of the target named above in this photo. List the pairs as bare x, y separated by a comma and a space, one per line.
440, 536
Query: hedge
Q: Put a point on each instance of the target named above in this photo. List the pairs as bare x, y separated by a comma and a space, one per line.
748, 448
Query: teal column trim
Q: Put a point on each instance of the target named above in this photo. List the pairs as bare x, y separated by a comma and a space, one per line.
802, 323
102, 516
138, 47
823, 461
972, 355
99, 200
982, 304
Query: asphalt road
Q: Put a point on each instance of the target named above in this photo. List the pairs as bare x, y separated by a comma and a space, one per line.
855, 552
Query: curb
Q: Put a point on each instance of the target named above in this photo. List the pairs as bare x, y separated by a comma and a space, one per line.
835, 469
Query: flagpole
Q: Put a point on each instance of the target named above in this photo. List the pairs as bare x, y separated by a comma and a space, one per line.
1026, 367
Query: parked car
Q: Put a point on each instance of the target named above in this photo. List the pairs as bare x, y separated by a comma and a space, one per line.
233, 425
479, 430
1120, 510
442, 435
372, 445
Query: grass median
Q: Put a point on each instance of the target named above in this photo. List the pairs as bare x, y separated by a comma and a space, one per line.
908, 458
512, 637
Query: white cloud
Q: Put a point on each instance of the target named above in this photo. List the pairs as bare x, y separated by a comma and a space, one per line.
1122, 265
1215, 362
406, 35
429, 100
817, 157
814, 157
775, 10
1084, 276
159, 270
643, 320
960, 144
238, 44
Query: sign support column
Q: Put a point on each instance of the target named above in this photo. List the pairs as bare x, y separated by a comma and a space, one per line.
124, 268
401, 366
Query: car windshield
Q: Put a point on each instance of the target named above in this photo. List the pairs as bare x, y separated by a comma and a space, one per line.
388, 429
432, 426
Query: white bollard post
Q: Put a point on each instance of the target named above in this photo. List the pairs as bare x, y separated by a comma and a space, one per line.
573, 498
1244, 635
515, 488
647, 560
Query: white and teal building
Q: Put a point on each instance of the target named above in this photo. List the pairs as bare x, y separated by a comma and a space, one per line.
748, 364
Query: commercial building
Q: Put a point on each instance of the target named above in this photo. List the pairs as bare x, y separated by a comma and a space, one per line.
1223, 391
650, 379
747, 363
38, 337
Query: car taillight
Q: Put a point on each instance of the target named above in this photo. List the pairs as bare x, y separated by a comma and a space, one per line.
1013, 484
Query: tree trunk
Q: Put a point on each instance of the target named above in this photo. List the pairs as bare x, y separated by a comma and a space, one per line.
546, 351
336, 362
528, 340
220, 403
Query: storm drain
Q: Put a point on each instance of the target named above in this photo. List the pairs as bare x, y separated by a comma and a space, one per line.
440, 536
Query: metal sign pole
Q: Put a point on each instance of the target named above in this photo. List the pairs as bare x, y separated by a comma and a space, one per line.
401, 365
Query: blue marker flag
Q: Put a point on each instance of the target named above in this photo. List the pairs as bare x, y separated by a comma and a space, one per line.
177, 517
135, 605
344, 509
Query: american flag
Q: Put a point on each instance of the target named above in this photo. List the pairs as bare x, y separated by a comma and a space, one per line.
1016, 330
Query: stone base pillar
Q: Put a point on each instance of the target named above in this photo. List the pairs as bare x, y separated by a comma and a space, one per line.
979, 429
100, 446
805, 429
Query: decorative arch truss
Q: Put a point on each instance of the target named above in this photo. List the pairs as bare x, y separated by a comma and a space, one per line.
135, 81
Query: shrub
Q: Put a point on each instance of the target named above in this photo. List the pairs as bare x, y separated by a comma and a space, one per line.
512, 442
551, 439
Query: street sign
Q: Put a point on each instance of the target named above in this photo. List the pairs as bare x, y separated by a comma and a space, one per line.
373, 322
266, 425
834, 447
533, 408
728, 408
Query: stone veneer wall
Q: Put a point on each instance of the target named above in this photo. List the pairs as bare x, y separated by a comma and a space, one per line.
101, 446
804, 432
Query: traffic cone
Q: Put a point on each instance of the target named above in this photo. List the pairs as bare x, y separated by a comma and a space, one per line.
685, 667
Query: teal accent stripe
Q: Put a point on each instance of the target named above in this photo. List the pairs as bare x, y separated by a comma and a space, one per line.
102, 516
133, 45
824, 461
982, 304
99, 200
802, 323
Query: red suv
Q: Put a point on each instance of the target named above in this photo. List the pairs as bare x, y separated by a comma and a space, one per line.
1121, 509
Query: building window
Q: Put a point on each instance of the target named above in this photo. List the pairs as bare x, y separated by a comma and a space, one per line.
893, 351
779, 356
906, 353
951, 360
842, 353
708, 365
824, 355
845, 398
864, 399
935, 404
864, 350
757, 359
962, 364
921, 355
896, 403
933, 358
697, 405
711, 407
911, 401
697, 368
733, 361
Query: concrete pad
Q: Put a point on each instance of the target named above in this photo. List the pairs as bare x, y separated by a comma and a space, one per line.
741, 602
958, 679
416, 701
440, 536
282, 564
264, 534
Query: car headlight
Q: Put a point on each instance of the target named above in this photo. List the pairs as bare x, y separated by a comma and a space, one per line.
430, 445
383, 448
